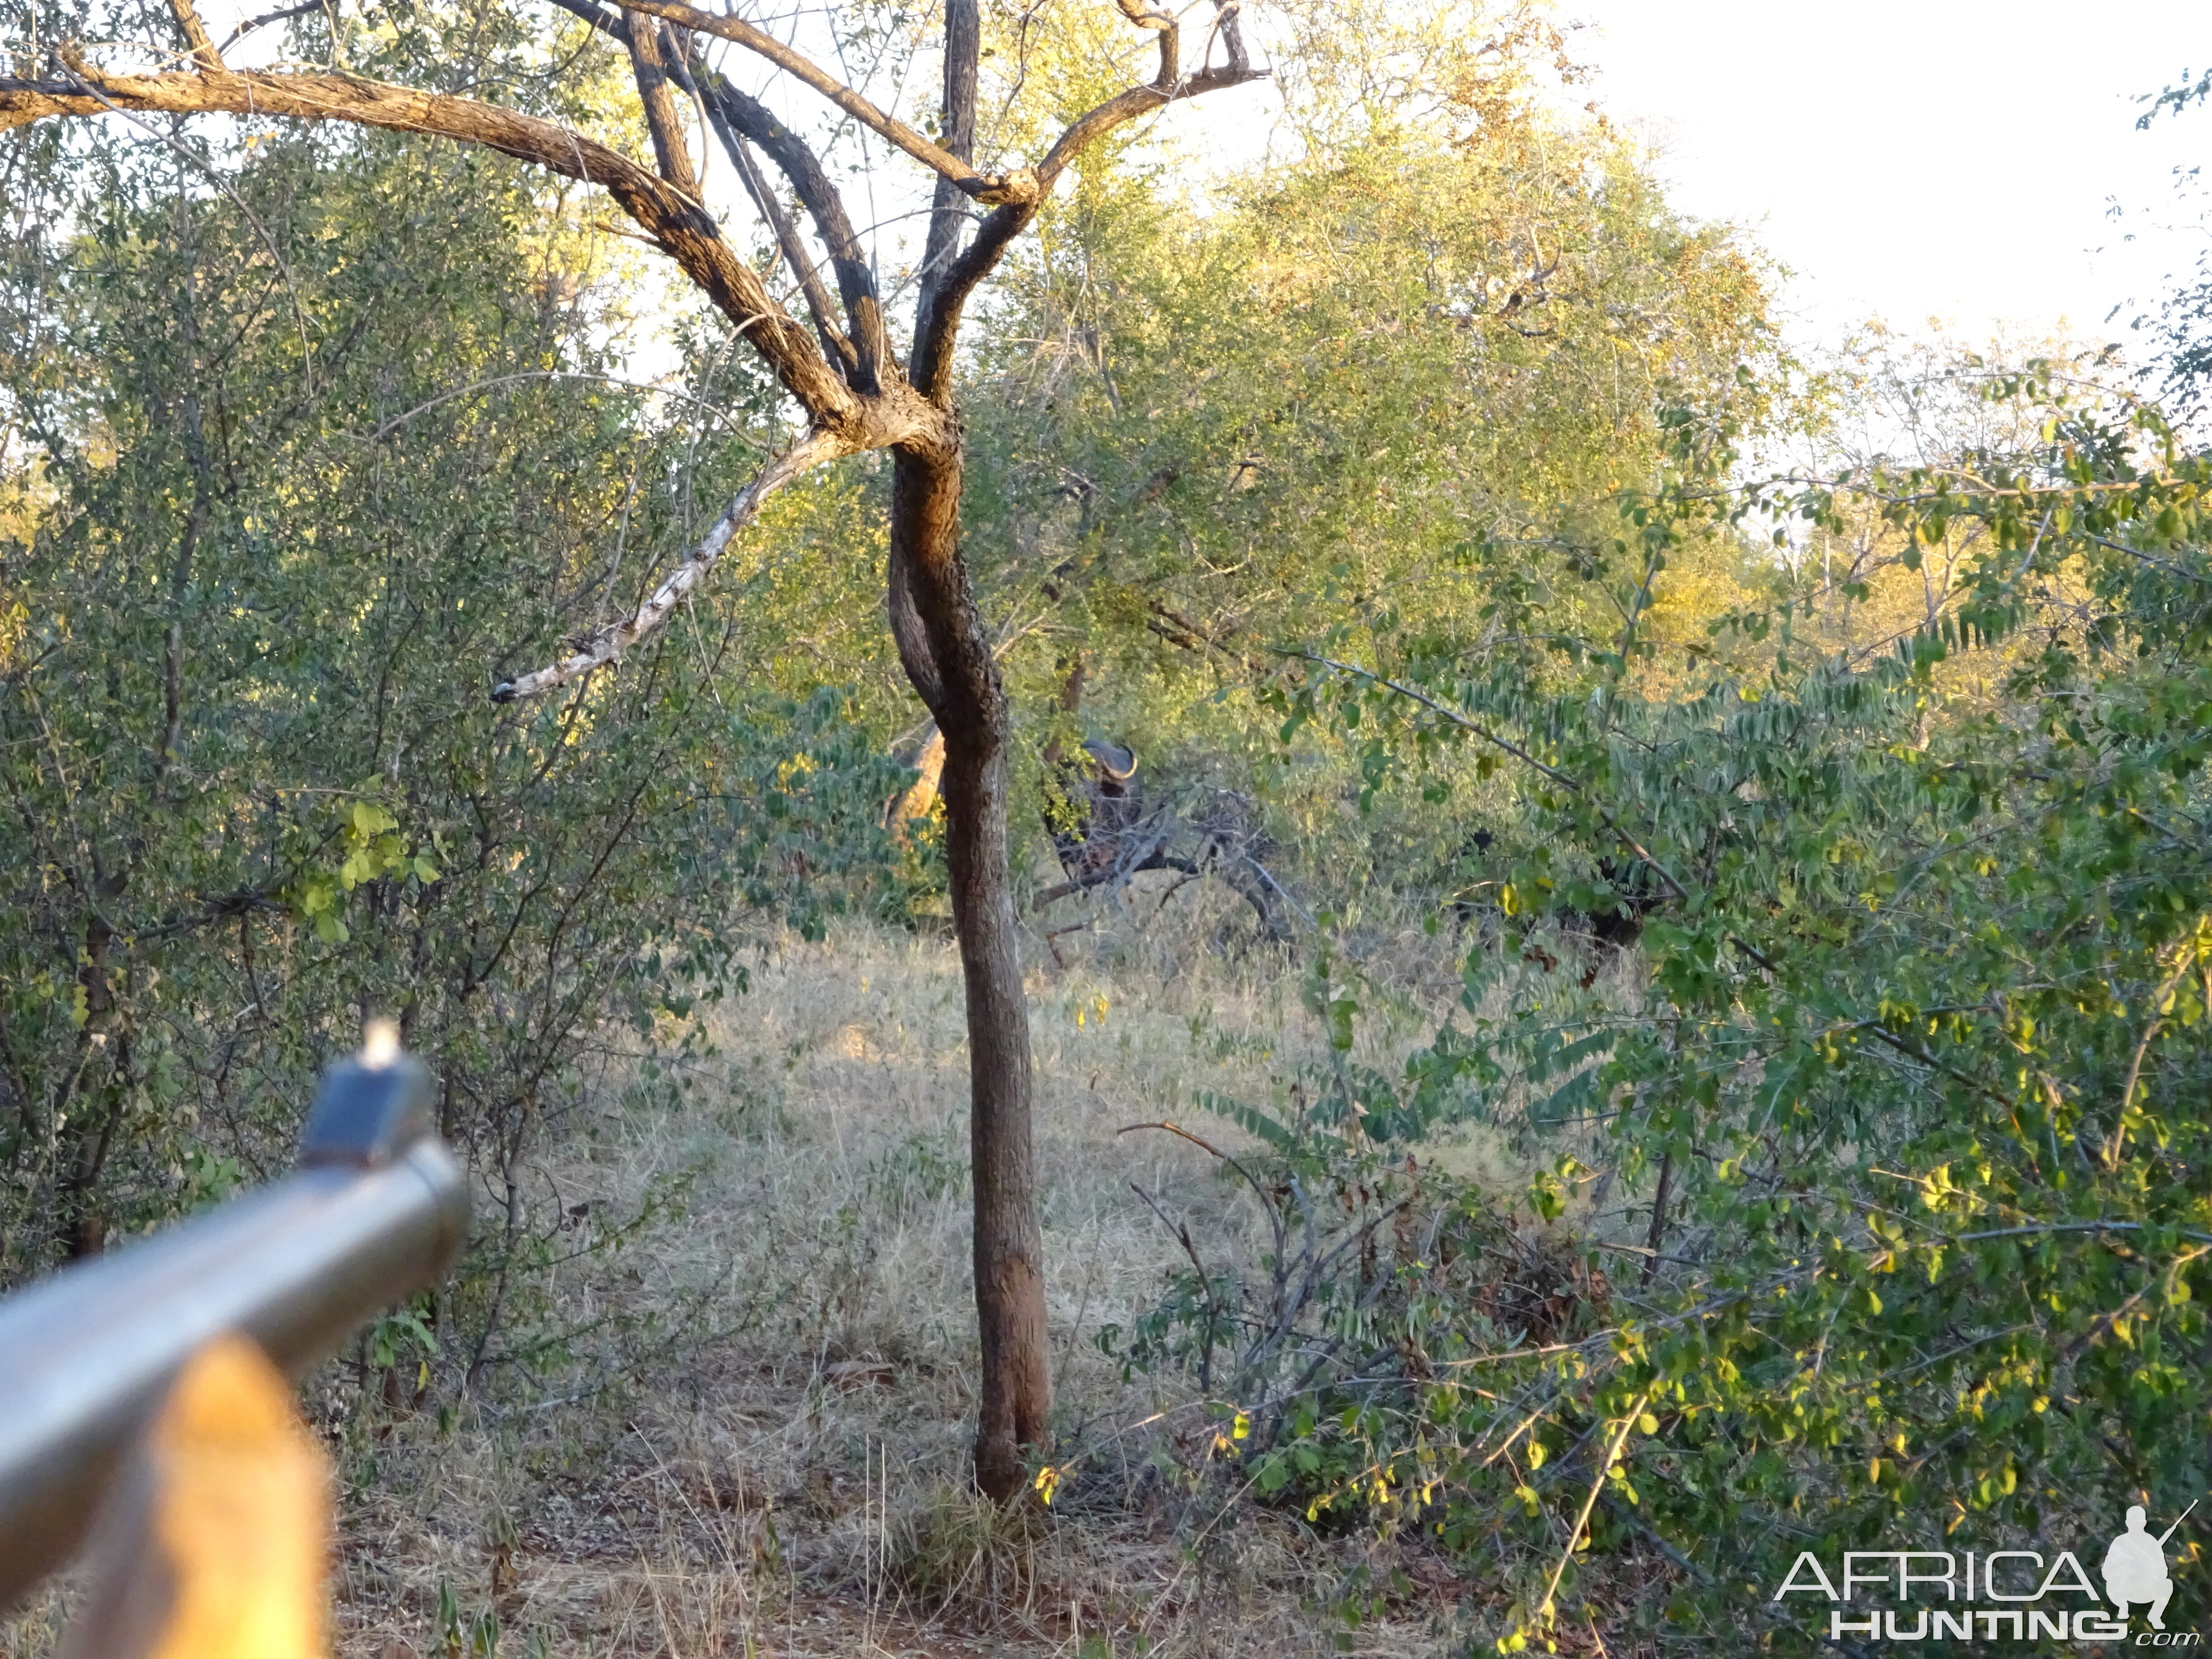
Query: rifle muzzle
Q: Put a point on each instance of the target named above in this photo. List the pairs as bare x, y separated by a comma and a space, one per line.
376, 1211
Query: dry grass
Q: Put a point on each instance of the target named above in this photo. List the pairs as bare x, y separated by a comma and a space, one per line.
754, 1441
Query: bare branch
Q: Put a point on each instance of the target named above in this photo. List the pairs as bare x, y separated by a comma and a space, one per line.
1124, 107
990, 189
196, 35
929, 367
1226, 21
795, 251
264, 20
608, 645
681, 228
599, 17
962, 47
651, 52
1170, 42
856, 278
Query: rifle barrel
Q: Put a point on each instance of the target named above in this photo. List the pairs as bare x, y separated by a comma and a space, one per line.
2176, 1527
377, 1210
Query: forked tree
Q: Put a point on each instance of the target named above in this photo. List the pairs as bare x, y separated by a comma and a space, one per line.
857, 396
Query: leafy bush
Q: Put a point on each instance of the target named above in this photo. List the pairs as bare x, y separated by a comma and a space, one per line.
337, 448
1911, 1115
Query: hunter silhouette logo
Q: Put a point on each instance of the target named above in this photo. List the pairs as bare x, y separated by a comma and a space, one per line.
2134, 1567
2003, 1595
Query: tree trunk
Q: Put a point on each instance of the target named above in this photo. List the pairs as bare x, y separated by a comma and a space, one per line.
948, 657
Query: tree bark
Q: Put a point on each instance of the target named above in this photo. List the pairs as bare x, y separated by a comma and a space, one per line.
959, 677
650, 54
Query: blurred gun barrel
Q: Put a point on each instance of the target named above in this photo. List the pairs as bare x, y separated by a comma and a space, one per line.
376, 1210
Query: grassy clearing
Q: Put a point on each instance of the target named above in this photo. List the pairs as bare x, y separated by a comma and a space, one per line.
769, 1456
752, 1437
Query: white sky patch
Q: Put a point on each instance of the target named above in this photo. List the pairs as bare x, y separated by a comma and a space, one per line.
1918, 159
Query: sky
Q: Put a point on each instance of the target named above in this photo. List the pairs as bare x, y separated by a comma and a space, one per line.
1923, 159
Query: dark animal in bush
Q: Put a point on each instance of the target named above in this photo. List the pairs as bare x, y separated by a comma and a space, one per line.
1629, 890
1637, 892
1107, 826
